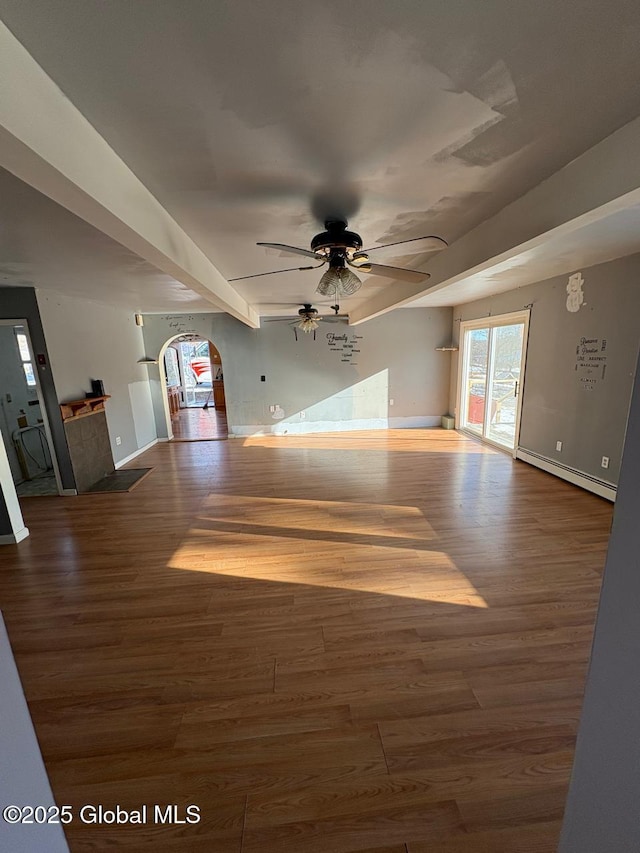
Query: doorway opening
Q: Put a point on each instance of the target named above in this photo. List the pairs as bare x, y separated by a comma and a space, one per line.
492, 363
23, 418
194, 382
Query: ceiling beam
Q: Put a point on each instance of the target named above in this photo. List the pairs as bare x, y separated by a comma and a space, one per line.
46, 142
602, 181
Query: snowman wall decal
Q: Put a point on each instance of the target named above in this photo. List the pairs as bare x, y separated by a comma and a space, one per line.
575, 296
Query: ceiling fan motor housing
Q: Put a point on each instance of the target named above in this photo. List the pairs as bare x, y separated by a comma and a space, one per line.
307, 310
336, 237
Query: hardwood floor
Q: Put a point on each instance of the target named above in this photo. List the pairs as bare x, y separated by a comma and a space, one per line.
198, 424
370, 642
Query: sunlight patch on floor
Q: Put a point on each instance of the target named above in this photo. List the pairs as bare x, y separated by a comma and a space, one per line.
385, 549
402, 440
318, 517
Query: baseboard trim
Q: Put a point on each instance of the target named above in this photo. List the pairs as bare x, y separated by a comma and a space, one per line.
14, 538
132, 456
416, 422
297, 427
70, 492
571, 475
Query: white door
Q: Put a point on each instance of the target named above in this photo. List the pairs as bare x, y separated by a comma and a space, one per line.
492, 365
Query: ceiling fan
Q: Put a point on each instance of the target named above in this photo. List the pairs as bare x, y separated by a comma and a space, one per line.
309, 319
342, 249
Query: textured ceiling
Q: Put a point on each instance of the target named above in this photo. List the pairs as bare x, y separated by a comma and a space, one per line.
250, 121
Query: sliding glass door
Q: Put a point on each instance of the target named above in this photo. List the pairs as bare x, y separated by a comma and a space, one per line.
492, 370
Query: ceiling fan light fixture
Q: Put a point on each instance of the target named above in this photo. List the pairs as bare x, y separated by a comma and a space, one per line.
339, 282
308, 325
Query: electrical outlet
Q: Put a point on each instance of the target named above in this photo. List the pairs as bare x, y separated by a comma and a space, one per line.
558, 446
118, 440
303, 415
391, 402
605, 462
272, 409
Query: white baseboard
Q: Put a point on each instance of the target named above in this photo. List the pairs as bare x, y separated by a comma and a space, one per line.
14, 538
297, 427
571, 475
132, 456
419, 422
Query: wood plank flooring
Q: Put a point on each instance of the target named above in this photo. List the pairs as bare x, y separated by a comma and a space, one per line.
198, 424
352, 643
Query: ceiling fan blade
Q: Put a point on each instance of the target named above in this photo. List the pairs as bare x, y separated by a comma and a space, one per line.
417, 246
402, 274
292, 250
276, 272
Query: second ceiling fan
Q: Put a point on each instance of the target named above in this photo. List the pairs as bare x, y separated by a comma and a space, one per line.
342, 249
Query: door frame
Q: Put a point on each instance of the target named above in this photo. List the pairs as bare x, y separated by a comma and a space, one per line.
163, 381
492, 321
41, 401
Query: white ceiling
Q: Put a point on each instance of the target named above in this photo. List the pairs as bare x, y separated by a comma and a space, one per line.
250, 121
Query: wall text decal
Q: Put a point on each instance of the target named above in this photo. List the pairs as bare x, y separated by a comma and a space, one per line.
346, 345
591, 361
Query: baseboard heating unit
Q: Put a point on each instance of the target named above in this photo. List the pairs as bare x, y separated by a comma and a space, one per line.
578, 478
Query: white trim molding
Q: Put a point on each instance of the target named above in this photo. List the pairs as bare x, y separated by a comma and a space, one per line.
571, 475
285, 427
133, 455
14, 538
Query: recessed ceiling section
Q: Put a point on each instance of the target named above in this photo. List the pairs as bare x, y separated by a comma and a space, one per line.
43, 245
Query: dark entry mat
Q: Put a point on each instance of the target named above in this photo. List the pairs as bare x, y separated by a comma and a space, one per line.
120, 481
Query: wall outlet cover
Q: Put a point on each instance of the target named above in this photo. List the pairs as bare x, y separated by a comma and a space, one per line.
605, 462
118, 440
558, 446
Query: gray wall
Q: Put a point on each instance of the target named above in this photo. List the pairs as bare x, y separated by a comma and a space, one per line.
602, 808
15, 396
88, 340
18, 303
556, 405
397, 361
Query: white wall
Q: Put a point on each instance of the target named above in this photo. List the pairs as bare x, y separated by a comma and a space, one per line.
86, 341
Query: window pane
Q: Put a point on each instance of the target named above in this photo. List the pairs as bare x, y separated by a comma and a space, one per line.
23, 346
28, 373
477, 345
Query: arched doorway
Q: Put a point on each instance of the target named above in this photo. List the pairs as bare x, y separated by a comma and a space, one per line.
192, 380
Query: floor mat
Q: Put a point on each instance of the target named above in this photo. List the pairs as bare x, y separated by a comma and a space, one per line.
120, 481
